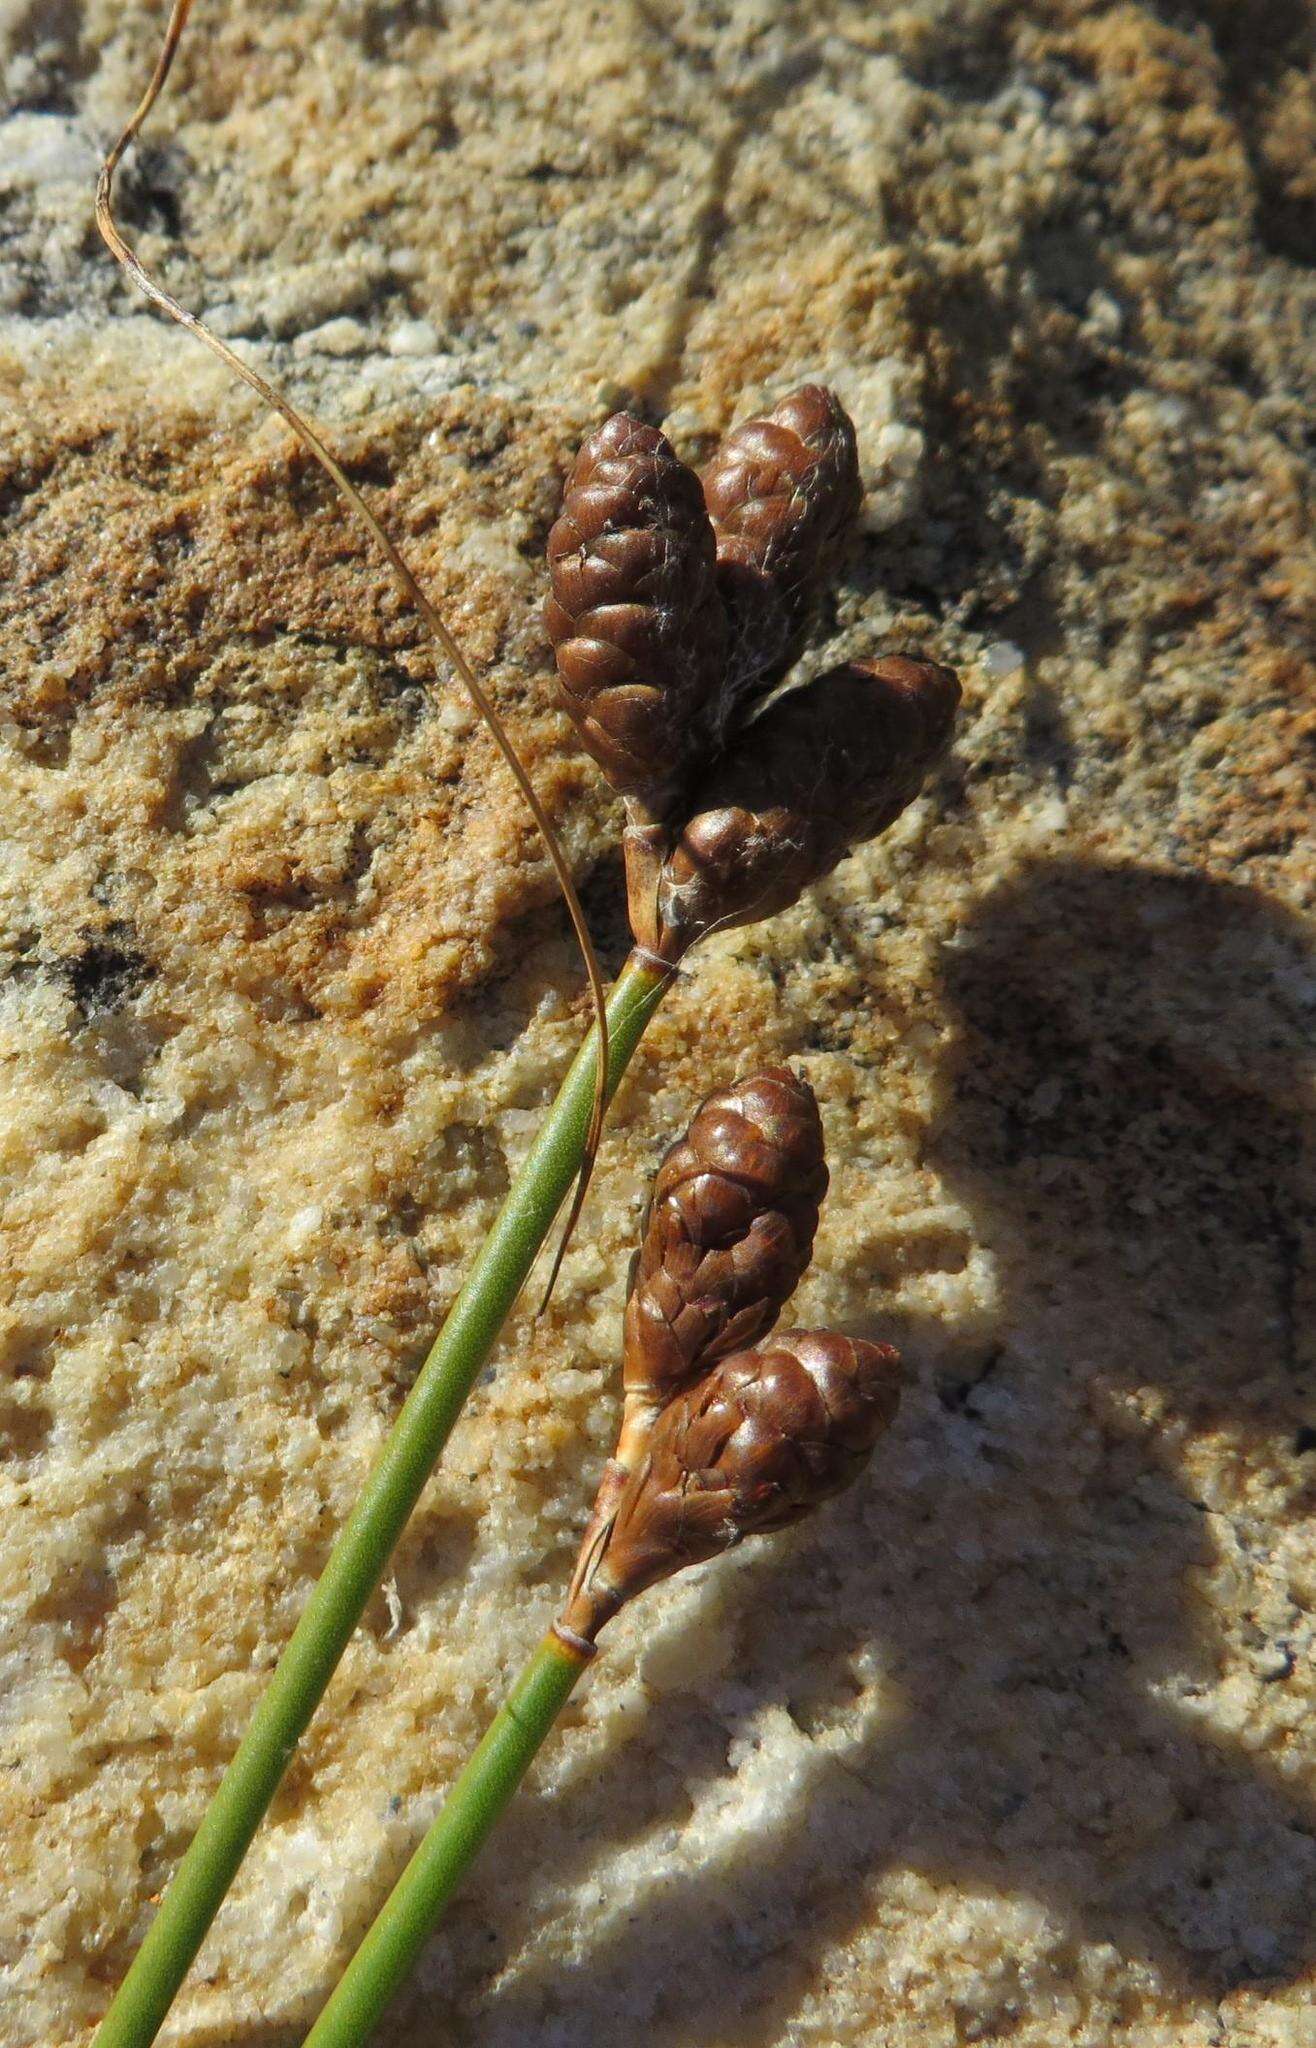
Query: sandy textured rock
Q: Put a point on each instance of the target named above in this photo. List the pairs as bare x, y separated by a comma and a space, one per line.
1019, 1743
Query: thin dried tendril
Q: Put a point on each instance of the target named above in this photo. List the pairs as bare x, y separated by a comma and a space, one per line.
131, 263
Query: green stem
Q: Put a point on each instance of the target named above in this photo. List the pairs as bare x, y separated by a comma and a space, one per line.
454, 1841
357, 1560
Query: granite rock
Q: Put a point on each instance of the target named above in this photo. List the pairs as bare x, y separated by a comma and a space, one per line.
1018, 1742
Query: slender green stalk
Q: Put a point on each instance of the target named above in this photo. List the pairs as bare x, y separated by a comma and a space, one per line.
454, 1841
357, 1560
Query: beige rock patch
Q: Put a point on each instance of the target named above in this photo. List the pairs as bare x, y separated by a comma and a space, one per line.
1017, 1743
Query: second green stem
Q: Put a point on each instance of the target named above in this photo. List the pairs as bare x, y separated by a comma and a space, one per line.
361, 1553
475, 1802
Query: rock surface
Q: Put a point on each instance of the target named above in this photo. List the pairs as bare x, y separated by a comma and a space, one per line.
1019, 1743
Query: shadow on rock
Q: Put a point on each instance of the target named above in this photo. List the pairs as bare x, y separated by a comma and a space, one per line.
1013, 1679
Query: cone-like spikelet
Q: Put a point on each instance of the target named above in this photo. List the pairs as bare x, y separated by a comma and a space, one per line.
670, 617
728, 1232
719, 1442
783, 493
635, 619
753, 1445
823, 770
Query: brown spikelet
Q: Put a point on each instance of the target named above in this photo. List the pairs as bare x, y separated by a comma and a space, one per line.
726, 1237
728, 1232
131, 263
753, 1445
783, 492
821, 771
635, 619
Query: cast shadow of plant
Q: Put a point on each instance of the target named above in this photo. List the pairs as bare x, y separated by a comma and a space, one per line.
1048, 1719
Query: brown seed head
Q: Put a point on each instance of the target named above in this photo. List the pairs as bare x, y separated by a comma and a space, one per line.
728, 1233
755, 1444
821, 771
634, 617
783, 492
